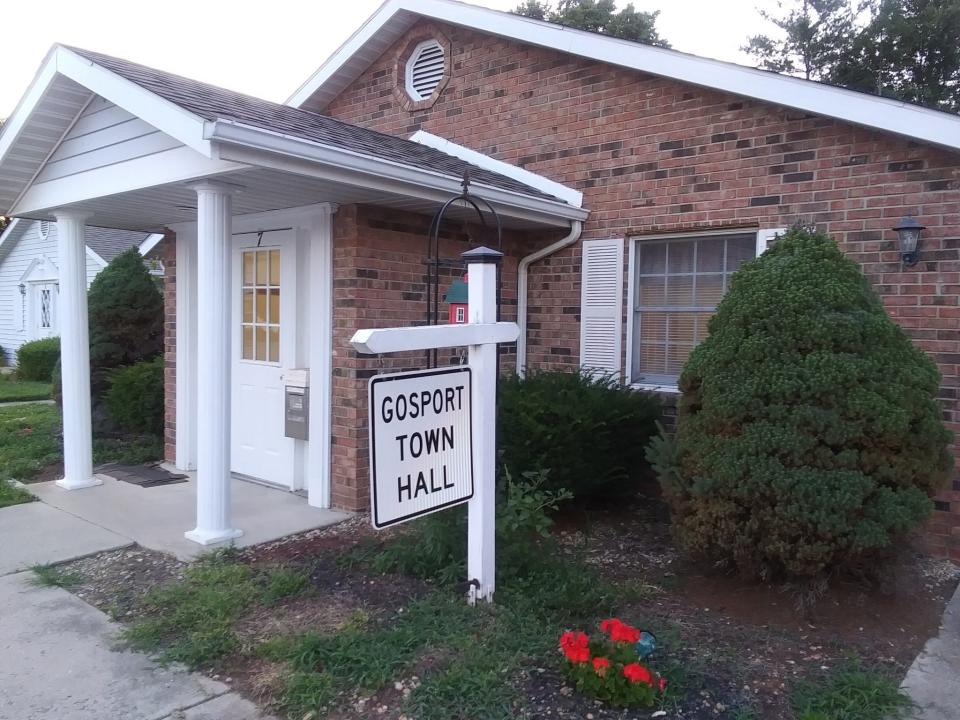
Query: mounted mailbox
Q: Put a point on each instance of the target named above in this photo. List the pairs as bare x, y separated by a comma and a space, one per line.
296, 404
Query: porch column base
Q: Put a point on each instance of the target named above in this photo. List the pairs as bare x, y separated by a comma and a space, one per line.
212, 537
71, 484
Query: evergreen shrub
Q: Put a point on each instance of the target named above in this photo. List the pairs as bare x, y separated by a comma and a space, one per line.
36, 359
134, 400
808, 432
588, 430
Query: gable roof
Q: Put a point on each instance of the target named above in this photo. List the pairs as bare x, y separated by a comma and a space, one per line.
395, 17
104, 243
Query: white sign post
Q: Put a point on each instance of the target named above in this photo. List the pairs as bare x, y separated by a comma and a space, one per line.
392, 458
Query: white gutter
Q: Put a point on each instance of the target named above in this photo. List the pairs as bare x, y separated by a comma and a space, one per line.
383, 171
576, 227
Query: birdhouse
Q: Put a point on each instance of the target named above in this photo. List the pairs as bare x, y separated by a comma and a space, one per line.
456, 299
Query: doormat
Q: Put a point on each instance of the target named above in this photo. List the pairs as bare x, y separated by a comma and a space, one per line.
146, 476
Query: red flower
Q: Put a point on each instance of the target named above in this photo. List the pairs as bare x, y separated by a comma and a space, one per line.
619, 631
635, 672
663, 684
575, 646
600, 665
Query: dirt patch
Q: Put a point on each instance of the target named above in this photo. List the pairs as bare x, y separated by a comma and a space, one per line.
116, 581
54, 471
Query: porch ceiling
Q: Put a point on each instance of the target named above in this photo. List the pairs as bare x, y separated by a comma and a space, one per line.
258, 190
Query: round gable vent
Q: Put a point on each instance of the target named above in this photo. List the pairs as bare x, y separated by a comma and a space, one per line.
425, 69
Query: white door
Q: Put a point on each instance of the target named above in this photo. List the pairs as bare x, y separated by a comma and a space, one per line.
43, 310
263, 344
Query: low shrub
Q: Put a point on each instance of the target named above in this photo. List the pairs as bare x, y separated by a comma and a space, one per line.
608, 667
35, 359
589, 430
134, 399
809, 436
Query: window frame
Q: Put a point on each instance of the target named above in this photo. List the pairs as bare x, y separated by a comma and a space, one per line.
763, 238
269, 288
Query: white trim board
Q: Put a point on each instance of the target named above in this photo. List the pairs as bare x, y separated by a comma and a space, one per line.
395, 16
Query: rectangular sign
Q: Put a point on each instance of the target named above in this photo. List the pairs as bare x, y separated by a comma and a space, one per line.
420, 443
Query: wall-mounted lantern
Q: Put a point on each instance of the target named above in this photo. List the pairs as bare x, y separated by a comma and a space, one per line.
909, 231
22, 288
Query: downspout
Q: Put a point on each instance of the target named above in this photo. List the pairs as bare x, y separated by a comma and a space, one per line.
576, 227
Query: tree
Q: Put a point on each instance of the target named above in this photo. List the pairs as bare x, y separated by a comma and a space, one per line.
808, 433
910, 50
599, 16
816, 36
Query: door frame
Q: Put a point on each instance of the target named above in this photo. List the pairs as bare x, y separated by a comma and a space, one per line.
314, 237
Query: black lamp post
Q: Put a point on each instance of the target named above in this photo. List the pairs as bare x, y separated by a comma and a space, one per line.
909, 232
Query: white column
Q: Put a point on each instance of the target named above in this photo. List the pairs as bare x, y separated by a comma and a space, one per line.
482, 300
74, 352
186, 282
214, 272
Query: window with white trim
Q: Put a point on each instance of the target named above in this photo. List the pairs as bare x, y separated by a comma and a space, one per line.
260, 306
424, 70
677, 284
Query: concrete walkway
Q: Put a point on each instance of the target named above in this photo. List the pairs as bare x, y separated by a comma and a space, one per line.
60, 658
59, 661
933, 681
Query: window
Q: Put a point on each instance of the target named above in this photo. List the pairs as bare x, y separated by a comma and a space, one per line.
461, 315
677, 285
46, 309
424, 70
260, 319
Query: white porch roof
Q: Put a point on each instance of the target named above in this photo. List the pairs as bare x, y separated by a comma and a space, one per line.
170, 130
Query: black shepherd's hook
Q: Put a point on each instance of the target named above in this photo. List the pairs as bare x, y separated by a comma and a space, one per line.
433, 252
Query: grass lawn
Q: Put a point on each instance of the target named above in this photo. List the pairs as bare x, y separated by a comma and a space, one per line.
13, 390
31, 447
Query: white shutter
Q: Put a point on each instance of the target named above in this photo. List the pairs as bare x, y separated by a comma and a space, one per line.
767, 236
601, 305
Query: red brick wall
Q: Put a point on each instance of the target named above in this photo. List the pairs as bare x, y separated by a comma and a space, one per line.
380, 281
652, 155
169, 255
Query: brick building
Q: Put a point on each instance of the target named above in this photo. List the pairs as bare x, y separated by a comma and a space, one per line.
631, 180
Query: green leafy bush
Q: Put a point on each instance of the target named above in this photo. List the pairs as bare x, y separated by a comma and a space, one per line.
808, 433
35, 359
589, 430
126, 318
134, 399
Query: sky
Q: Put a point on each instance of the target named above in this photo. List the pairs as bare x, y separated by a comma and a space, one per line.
268, 49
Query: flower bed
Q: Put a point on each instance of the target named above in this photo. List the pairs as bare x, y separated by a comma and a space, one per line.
609, 666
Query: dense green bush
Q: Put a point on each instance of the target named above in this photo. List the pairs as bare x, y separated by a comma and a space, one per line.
35, 359
126, 318
134, 399
808, 434
589, 430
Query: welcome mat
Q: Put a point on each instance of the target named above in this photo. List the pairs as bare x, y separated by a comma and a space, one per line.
145, 476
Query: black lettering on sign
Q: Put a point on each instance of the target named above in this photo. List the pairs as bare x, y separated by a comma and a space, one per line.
410, 489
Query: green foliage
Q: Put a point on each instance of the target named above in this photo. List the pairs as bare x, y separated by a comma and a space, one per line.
283, 582
13, 389
589, 430
10, 494
35, 359
55, 576
436, 549
599, 16
134, 399
126, 317
850, 693
29, 440
663, 457
808, 431
905, 49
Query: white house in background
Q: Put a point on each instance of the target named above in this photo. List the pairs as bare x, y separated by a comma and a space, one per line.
30, 278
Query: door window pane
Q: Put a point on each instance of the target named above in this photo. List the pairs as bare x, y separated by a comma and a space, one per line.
679, 284
260, 305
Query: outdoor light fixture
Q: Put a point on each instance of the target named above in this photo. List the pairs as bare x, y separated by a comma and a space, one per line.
909, 231
22, 288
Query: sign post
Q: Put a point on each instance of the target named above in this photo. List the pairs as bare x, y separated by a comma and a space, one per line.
416, 463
